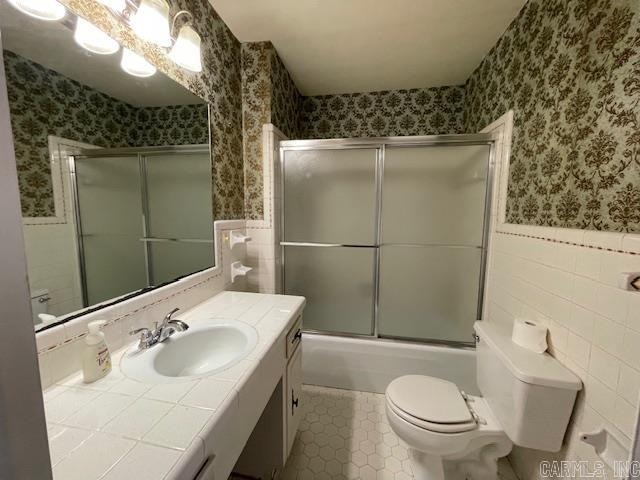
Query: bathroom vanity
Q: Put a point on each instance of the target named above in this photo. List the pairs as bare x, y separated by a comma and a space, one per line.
193, 426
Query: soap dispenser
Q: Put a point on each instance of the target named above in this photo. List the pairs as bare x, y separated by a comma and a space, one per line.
96, 360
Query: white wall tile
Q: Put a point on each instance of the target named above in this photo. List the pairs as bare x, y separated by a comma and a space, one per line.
601, 398
629, 384
630, 350
608, 335
578, 350
633, 312
582, 321
631, 243
625, 417
588, 263
611, 302
594, 325
604, 367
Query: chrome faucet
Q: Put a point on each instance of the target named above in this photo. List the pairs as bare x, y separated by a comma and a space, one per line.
169, 326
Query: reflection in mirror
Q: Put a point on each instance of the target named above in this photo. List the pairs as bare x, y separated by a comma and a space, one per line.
114, 169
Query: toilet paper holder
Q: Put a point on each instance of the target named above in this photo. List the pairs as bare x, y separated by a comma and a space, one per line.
607, 446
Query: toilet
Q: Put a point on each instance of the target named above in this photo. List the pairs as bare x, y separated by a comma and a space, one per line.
527, 399
39, 304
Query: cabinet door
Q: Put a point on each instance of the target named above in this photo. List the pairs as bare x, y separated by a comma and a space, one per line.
293, 406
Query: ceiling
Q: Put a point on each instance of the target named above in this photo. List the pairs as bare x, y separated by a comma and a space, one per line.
51, 44
347, 46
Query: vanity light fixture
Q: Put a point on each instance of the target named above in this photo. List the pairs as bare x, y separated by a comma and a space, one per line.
135, 65
40, 9
186, 50
93, 39
151, 22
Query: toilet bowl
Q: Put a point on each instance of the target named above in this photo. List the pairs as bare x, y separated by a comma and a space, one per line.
527, 400
449, 432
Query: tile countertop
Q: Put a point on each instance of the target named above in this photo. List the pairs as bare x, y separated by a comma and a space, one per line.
118, 428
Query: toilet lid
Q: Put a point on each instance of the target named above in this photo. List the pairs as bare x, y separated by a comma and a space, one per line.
430, 399
431, 426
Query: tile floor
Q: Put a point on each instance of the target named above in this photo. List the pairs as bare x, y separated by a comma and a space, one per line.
345, 435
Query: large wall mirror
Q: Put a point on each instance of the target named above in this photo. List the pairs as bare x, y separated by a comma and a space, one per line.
114, 167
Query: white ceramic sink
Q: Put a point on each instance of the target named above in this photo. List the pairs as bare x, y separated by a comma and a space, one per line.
206, 348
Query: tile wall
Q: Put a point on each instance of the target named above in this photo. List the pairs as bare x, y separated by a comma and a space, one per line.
53, 265
569, 281
263, 252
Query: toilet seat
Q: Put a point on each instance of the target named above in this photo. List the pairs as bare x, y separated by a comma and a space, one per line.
430, 403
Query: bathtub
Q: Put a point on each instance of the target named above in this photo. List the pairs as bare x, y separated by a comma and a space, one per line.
368, 365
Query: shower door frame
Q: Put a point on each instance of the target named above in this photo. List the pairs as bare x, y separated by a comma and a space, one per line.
141, 154
380, 144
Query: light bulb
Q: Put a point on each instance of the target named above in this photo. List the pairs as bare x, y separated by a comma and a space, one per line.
151, 22
93, 39
41, 9
116, 5
135, 65
186, 50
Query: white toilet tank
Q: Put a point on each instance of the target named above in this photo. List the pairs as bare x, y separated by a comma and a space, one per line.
39, 304
531, 394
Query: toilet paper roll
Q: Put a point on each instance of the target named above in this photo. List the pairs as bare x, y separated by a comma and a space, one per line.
529, 335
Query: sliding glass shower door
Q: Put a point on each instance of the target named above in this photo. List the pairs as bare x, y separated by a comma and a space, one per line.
387, 237
179, 213
109, 221
143, 217
433, 214
330, 236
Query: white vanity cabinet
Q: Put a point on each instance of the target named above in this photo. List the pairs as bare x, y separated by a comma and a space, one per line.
293, 386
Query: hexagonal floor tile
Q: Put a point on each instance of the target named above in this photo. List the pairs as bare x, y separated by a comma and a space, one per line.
345, 435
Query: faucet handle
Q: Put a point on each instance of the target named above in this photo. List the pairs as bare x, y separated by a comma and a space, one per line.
146, 337
143, 331
170, 314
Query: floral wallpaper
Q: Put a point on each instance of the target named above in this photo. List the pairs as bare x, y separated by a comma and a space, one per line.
218, 83
286, 101
169, 125
43, 102
419, 111
256, 111
570, 70
268, 96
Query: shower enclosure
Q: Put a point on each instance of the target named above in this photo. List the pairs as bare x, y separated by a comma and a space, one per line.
387, 237
143, 216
